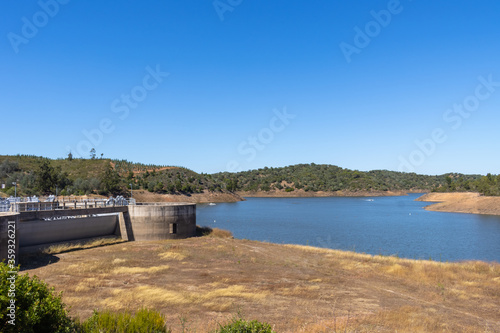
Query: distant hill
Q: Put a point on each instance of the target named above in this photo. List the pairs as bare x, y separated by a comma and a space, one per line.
40, 175
76, 168
329, 178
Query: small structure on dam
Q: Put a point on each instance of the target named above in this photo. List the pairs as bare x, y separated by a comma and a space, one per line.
36, 227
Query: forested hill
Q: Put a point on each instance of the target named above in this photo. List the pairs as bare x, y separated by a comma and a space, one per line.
315, 177
36, 175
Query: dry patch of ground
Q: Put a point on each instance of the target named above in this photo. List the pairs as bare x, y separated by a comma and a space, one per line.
467, 202
138, 172
206, 280
78, 245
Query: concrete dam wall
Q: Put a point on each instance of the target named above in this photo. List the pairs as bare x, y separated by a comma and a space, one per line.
141, 222
38, 232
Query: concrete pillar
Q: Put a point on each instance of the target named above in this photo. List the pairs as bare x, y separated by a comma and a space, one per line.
124, 229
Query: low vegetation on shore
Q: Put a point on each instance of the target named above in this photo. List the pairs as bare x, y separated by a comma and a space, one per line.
198, 283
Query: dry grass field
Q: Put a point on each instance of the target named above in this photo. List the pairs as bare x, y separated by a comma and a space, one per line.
199, 282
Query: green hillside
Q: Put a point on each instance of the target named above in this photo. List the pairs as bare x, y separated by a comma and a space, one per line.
314, 177
40, 175
37, 175
75, 168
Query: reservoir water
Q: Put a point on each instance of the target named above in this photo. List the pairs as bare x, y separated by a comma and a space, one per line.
379, 225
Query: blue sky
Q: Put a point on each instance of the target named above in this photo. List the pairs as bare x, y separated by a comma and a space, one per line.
238, 84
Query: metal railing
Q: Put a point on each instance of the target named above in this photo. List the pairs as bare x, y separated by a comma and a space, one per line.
20, 205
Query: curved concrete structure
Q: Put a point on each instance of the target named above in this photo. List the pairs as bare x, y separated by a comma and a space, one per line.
155, 221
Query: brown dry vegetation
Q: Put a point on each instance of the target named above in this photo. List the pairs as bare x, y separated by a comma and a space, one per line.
79, 245
145, 196
467, 202
206, 280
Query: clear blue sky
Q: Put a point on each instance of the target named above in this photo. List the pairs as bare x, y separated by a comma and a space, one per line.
363, 85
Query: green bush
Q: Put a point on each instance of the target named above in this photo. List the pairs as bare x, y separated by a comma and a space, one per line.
37, 308
239, 325
144, 320
10, 191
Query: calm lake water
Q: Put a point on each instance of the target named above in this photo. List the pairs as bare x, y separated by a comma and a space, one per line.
380, 225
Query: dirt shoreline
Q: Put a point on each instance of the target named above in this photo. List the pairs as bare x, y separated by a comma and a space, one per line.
465, 202
297, 289
319, 194
206, 197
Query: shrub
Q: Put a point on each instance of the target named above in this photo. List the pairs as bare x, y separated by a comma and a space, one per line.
215, 232
11, 191
203, 231
239, 325
38, 309
144, 320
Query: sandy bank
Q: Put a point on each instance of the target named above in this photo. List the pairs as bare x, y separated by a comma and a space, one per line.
468, 202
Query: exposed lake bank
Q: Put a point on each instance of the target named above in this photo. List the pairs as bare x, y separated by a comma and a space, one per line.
458, 202
206, 280
220, 197
321, 194
465, 202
